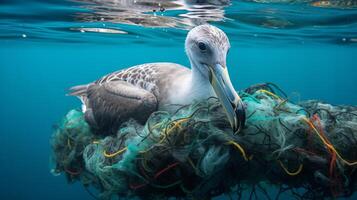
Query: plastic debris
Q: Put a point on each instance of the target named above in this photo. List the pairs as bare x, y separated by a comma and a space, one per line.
308, 149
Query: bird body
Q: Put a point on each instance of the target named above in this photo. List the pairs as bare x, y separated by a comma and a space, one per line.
149, 85
138, 91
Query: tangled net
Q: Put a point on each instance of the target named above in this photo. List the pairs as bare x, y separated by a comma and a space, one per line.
306, 149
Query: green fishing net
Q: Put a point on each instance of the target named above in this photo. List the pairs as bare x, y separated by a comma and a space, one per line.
308, 149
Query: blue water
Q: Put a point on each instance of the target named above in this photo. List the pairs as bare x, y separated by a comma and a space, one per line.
48, 46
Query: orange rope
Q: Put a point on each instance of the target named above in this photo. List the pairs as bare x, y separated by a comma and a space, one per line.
328, 143
74, 173
332, 167
165, 169
135, 187
333, 154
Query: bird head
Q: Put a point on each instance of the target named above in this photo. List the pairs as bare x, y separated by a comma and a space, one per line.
207, 47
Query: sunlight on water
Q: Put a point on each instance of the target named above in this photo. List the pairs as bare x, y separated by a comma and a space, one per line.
283, 21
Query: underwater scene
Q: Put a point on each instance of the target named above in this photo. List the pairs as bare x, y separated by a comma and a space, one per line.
178, 99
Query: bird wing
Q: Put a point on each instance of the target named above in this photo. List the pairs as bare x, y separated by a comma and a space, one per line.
134, 92
112, 103
119, 96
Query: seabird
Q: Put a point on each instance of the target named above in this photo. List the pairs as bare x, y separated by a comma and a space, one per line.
138, 91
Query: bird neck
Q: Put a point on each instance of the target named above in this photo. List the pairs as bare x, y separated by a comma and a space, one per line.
200, 86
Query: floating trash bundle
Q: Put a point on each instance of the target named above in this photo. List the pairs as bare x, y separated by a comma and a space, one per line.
308, 149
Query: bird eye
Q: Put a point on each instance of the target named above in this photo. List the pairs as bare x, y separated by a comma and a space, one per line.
202, 46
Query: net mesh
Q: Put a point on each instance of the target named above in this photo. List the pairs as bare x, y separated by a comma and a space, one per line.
307, 149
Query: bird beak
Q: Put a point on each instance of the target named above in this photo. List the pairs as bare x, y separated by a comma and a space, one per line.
231, 102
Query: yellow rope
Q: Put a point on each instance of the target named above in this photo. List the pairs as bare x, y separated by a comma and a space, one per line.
110, 155
158, 124
145, 165
192, 164
270, 93
328, 145
240, 149
69, 143
176, 124
155, 126
291, 173
146, 150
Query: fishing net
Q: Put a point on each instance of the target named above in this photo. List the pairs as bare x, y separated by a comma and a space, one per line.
307, 149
